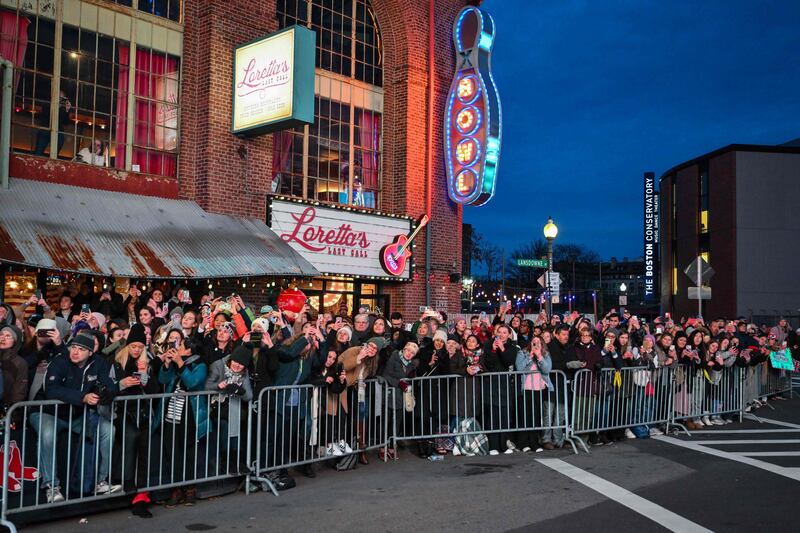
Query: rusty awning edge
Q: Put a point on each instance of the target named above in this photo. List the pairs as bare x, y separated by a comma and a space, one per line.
88, 231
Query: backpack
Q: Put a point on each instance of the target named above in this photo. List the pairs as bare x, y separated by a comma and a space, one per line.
348, 462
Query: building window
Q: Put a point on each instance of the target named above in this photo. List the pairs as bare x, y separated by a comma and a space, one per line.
86, 111
348, 40
169, 9
338, 158
703, 199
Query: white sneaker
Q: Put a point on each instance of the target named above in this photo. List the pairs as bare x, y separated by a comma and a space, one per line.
526, 449
509, 451
748, 409
456, 451
717, 421
344, 447
54, 495
629, 434
698, 422
539, 450
104, 488
655, 431
706, 421
494, 452
510, 445
334, 450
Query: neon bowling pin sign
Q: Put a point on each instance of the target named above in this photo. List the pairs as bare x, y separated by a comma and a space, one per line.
473, 123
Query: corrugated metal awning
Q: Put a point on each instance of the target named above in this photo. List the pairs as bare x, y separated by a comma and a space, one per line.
75, 229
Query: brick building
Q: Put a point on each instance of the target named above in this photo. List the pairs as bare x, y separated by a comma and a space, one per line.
149, 84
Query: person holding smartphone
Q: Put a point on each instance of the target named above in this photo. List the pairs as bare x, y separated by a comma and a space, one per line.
135, 376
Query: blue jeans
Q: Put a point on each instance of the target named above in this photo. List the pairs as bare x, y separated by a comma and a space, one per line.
48, 426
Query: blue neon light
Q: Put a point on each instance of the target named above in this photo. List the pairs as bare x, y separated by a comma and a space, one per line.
486, 41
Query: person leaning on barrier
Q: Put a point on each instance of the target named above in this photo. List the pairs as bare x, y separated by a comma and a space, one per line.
45, 345
14, 367
264, 361
562, 356
400, 366
501, 356
535, 389
135, 376
183, 420
82, 380
330, 377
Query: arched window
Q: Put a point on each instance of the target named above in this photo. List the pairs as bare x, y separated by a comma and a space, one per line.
338, 158
348, 40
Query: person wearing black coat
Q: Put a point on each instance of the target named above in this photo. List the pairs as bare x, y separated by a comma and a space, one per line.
498, 391
562, 356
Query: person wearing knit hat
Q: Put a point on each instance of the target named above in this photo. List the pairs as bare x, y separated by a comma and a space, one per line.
440, 335
452, 337
379, 342
11, 330
97, 320
260, 324
46, 324
83, 340
345, 330
242, 355
176, 311
137, 334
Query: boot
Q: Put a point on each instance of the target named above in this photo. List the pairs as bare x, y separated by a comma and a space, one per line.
362, 456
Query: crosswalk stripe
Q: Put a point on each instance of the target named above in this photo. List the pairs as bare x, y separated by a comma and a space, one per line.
791, 473
756, 431
770, 454
646, 508
759, 441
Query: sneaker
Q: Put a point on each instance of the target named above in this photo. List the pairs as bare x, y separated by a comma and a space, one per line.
344, 447
655, 431
508, 451
284, 482
629, 434
717, 421
538, 450
526, 449
104, 488
748, 409
494, 452
510, 445
54, 495
706, 421
456, 451
698, 423
334, 450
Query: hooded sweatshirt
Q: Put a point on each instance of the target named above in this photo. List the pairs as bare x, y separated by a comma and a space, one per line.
15, 371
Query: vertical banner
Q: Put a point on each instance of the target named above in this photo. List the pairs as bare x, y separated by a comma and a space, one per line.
651, 266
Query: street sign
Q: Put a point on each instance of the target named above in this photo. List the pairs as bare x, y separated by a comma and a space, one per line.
623, 300
556, 298
555, 280
534, 263
699, 293
542, 281
699, 266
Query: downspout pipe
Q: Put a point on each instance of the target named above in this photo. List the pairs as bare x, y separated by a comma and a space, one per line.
429, 176
5, 122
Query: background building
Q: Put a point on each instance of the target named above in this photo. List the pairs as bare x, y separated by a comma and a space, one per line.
737, 207
151, 81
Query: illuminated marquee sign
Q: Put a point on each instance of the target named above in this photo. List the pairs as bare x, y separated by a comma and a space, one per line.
472, 118
273, 82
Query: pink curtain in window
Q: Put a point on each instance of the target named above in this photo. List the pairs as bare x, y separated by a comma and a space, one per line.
282, 142
13, 39
153, 73
370, 141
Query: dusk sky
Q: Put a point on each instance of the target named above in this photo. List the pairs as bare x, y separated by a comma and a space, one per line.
595, 93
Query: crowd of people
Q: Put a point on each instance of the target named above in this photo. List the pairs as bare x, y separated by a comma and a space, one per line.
95, 348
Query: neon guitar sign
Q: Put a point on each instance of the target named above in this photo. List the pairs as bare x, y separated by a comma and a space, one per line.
393, 257
472, 128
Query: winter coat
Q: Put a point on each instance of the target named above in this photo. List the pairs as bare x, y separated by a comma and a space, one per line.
15, 372
69, 383
526, 363
500, 361
396, 371
192, 377
230, 404
465, 394
293, 369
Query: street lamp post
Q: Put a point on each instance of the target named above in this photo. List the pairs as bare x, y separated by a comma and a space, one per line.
550, 233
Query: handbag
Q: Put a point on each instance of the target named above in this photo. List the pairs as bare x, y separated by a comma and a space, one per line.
409, 402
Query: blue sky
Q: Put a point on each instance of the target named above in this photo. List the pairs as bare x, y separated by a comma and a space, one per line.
595, 93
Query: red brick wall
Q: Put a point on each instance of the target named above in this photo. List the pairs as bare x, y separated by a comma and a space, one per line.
213, 174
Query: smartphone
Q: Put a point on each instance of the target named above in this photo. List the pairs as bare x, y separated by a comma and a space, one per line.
256, 336
184, 294
608, 344
38, 294
211, 294
85, 308
483, 316
43, 332
338, 320
176, 344
508, 305
165, 307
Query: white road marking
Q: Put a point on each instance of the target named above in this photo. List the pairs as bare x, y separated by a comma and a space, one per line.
770, 454
646, 508
791, 473
779, 423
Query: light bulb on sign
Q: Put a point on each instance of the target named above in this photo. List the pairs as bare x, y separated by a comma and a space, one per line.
467, 151
467, 120
467, 89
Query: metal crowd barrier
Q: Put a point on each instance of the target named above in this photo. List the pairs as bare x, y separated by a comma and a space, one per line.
699, 392
615, 399
501, 406
302, 424
763, 381
133, 444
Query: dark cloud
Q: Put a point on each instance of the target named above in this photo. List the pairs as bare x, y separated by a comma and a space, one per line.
595, 93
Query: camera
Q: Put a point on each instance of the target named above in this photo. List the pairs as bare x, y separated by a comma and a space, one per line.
106, 395
43, 332
256, 336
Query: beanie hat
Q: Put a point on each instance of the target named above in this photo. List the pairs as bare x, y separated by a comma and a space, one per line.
242, 354
615, 331
176, 311
101, 319
440, 334
46, 323
453, 337
652, 339
228, 326
12, 330
84, 340
380, 342
263, 323
347, 330
137, 334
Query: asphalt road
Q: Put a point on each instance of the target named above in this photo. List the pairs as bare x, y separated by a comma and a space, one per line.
716, 480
